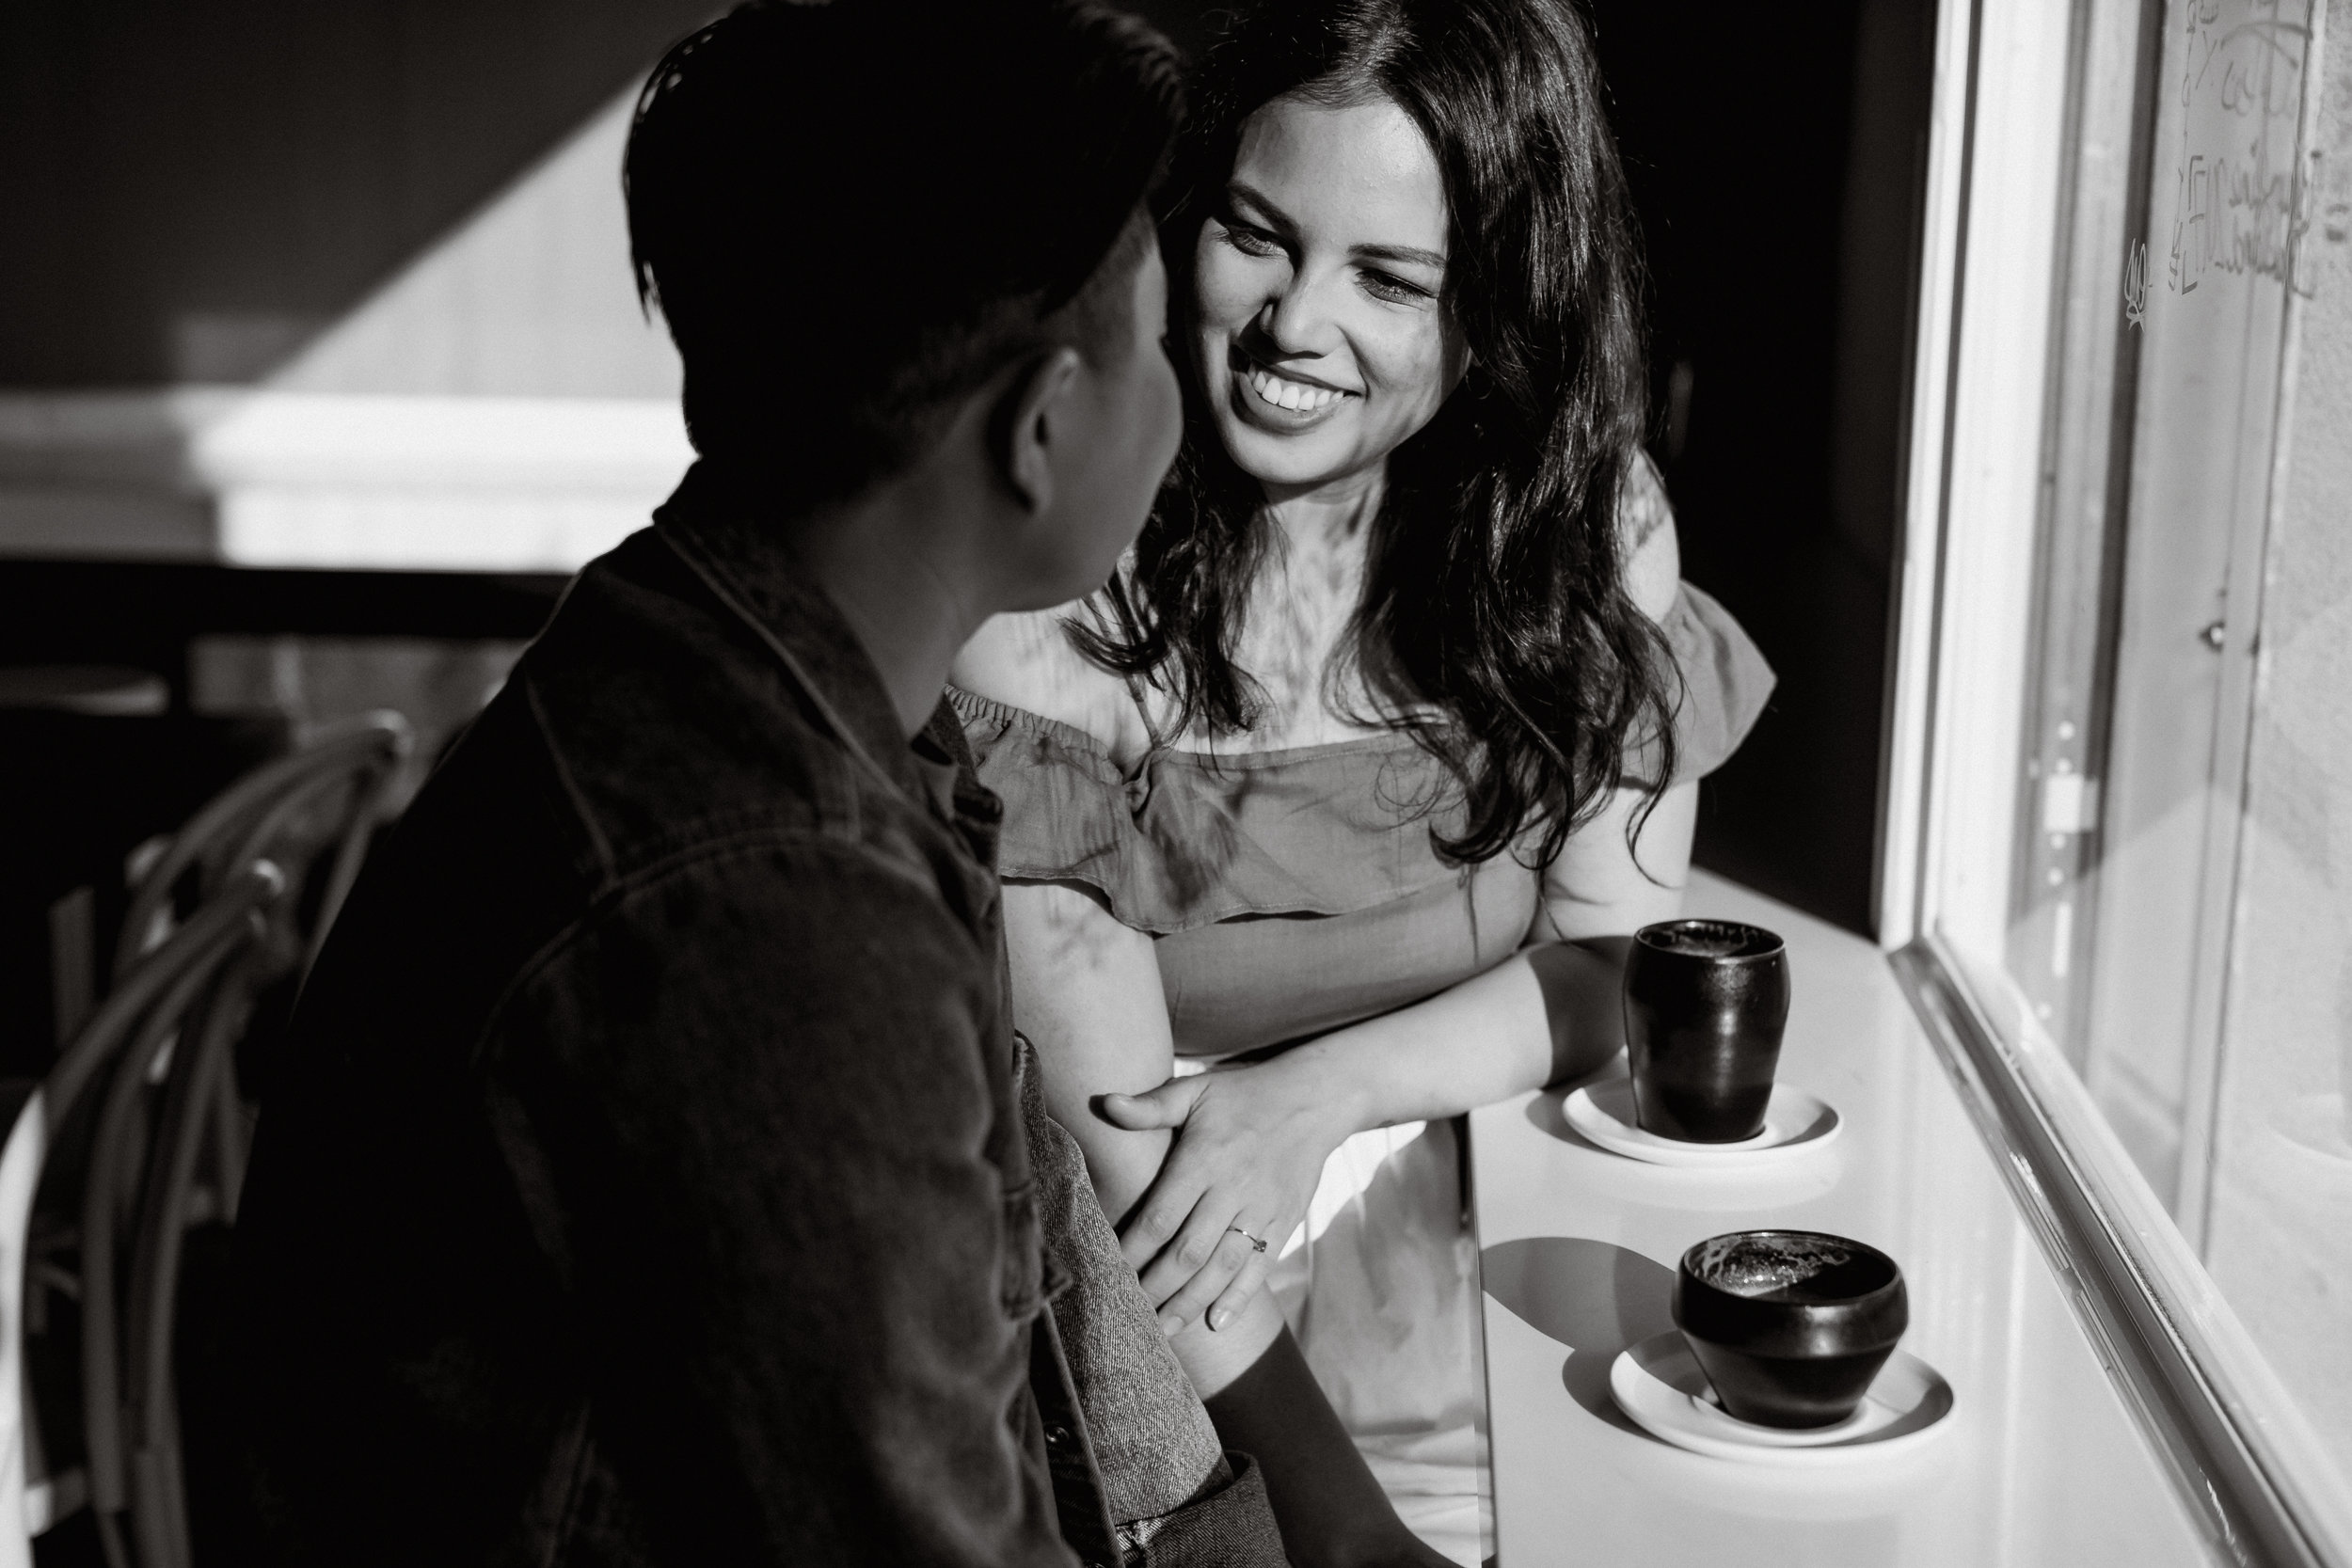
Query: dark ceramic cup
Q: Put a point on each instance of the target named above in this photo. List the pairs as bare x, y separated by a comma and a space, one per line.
1790, 1326
1704, 1003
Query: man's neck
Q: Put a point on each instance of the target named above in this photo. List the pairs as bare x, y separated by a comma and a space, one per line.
883, 561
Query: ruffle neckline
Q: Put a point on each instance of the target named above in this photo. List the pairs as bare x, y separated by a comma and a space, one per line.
1191, 838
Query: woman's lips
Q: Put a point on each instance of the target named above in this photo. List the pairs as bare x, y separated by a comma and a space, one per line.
1277, 403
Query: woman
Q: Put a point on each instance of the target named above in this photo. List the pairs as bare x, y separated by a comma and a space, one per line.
1360, 773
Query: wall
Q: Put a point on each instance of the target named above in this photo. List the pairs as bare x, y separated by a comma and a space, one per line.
341, 286
291, 283
500, 402
196, 190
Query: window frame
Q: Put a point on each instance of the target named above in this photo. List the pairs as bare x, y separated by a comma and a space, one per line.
2017, 226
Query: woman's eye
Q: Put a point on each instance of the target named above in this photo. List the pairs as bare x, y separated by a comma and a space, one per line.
1394, 290
1250, 242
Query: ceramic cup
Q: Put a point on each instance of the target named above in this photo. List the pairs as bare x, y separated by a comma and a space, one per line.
1790, 1326
1705, 1003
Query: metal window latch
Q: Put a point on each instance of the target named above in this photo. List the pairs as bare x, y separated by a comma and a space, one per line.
2069, 803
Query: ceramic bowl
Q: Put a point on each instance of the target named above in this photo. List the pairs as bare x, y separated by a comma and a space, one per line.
1790, 1326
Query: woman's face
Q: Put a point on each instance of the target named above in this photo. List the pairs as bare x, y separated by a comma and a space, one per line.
1320, 336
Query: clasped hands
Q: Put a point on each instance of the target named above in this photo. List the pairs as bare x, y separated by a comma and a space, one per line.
1250, 1148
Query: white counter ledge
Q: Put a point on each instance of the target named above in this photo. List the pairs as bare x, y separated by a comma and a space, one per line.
2040, 1462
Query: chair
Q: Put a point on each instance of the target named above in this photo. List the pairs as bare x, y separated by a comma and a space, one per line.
324, 795
309, 812
105, 1148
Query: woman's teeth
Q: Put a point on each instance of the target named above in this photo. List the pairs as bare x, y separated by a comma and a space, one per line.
1283, 393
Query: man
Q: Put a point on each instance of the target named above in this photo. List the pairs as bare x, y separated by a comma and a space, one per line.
648, 1179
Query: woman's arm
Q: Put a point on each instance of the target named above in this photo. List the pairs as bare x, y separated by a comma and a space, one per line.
1550, 1013
1085, 990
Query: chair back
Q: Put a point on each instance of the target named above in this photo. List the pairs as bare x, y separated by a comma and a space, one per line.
107, 1146
324, 796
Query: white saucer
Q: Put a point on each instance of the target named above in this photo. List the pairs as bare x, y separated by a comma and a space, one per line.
1795, 1123
1660, 1385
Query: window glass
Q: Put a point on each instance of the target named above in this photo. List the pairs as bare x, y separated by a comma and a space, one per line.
2182, 904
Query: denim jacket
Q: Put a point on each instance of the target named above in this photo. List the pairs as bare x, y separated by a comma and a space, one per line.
645, 1180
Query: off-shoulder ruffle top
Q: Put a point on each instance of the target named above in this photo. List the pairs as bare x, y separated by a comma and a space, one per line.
1295, 891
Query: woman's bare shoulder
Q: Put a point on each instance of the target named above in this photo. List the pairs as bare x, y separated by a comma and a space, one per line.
1027, 661
1646, 530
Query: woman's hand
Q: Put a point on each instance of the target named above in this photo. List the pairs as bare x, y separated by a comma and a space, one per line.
1250, 1143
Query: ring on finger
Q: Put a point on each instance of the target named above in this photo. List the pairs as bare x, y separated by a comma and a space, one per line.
1257, 1243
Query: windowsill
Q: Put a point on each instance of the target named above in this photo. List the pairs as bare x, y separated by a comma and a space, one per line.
2041, 1460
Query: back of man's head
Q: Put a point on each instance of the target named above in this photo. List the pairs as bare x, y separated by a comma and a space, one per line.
853, 213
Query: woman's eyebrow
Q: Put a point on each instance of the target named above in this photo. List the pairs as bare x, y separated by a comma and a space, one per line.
1238, 192
1400, 253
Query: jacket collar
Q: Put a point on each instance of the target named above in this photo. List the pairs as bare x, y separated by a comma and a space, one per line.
726, 535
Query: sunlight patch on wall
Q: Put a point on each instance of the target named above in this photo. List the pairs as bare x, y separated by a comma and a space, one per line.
501, 403
531, 298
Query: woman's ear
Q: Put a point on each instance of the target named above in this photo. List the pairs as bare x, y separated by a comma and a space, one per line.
1030, 415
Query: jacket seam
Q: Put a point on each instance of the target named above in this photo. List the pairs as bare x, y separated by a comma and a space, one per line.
575, 1486
618, 889
598, 843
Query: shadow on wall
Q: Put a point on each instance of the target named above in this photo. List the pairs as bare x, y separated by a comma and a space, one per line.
330, 340
197, 190
330, 287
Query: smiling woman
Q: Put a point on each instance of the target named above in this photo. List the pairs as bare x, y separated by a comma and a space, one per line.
1337, 214
1356, 777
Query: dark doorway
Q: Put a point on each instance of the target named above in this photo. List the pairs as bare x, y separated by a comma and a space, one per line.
1775, 154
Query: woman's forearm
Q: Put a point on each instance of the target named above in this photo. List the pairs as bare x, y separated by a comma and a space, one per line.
1085, 990
1550, 1013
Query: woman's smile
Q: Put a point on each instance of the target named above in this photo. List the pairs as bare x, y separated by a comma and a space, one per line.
1281, 403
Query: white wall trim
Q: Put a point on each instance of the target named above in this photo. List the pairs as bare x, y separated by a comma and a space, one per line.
1993, 491
331, 479
1943, 220
1988, 282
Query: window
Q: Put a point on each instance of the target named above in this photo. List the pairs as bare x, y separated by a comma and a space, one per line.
2118, 837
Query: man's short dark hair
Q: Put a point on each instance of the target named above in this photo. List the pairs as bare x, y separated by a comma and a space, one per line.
854, 212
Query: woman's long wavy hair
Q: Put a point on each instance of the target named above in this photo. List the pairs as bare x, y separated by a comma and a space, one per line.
1495, 586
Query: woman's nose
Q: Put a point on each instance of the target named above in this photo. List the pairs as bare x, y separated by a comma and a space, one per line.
1295, 319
